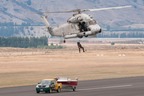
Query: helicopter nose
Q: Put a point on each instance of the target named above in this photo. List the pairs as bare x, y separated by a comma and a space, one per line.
100, 30
95, 28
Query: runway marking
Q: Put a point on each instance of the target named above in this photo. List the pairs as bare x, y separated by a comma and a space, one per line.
107, 87
122, 55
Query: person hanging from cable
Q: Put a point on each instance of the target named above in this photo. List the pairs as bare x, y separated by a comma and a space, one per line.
80, 47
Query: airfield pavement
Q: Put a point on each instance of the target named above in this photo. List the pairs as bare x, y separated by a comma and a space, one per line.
132, 86
20, 66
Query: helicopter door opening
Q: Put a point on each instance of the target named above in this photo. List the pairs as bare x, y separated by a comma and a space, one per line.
83, 26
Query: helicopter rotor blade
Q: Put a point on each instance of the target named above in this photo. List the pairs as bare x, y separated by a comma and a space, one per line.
61, 11
99, 9
109, 8
67, 11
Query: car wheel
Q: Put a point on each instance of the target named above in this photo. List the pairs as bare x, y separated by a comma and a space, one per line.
37, 92
74, 88
59, 90
46, 91
50, 90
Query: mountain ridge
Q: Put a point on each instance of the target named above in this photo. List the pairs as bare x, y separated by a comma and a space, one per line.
24, 12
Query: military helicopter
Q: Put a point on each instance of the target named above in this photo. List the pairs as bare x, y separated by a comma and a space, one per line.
79, 25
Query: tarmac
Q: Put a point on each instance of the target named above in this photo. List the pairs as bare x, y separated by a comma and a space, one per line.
132, 86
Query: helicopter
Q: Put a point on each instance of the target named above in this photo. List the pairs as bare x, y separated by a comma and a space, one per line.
79, 25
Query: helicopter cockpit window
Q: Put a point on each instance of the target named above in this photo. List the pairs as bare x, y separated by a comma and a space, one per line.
92, 22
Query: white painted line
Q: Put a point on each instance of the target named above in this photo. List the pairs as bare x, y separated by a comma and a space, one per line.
107, 87
97, 54
100, 55
122, 55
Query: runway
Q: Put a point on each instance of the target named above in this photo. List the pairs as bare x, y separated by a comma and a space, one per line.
133, 86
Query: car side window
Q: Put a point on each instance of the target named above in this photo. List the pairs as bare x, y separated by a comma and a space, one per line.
52, 83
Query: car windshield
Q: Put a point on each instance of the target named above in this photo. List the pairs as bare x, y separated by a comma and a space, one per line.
45, 82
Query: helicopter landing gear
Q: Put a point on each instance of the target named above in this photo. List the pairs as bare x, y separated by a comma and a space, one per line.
86, 35
64, 41
80, 36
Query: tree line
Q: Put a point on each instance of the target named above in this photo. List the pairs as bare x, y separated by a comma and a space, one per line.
23, 42
121, 34
8, 29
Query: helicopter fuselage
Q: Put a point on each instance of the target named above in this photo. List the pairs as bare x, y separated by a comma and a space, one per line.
80, 25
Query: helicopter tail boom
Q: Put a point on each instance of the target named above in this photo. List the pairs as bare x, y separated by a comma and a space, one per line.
50, 29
